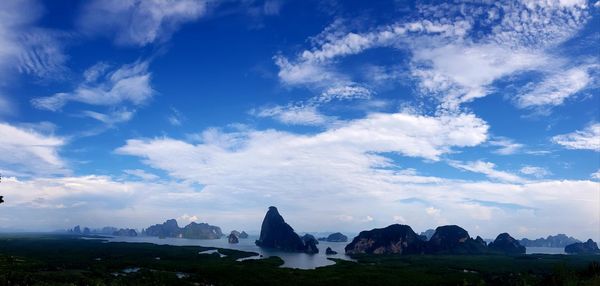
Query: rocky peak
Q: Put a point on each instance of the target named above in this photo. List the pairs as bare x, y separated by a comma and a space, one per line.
506, 244
276, 233
588, 247
396, 238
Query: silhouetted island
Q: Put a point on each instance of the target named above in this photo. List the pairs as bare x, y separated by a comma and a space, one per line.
335, 237
277, 234
505, 243
125, 232
588, 247
310, 242
330, 251
170, 228
394, 239
453, 239
232, 238
449, 239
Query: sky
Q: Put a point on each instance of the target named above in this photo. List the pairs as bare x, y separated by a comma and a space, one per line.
346, 115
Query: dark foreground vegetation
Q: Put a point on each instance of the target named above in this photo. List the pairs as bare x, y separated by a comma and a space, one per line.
69, 260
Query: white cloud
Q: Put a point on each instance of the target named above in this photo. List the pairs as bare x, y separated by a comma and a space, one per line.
249, 167
555, 89
349, 148
461, 73
344, 93
113, 117
506, 146
24, 46
136, 22
367, 219
187, 219
176, 117
29, 152
399, 219
129, 83
587, 139
488, 169
295, 115
596, 175
313, 66
141, 174
432, 211
537, 172
450, 64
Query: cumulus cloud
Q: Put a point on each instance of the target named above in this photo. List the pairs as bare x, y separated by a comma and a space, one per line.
27, 151
129, 83
136, 22
349, 148
586, 139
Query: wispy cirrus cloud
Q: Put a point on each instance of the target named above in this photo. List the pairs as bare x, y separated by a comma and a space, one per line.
556, 88
129, 83
136, 22
26, 151
450, 62
506, 146
26, 48
586, 139
488, 169
294, 114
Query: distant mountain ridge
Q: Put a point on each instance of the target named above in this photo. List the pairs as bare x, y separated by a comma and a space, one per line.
560, 240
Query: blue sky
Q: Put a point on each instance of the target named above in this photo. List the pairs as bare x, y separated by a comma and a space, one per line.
347, 115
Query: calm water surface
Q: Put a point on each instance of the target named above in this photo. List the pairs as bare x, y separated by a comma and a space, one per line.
291, 259
545, 250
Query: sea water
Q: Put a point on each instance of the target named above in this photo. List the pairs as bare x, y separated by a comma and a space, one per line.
291, 259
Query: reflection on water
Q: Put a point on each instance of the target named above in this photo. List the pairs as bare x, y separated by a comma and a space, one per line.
291, 259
